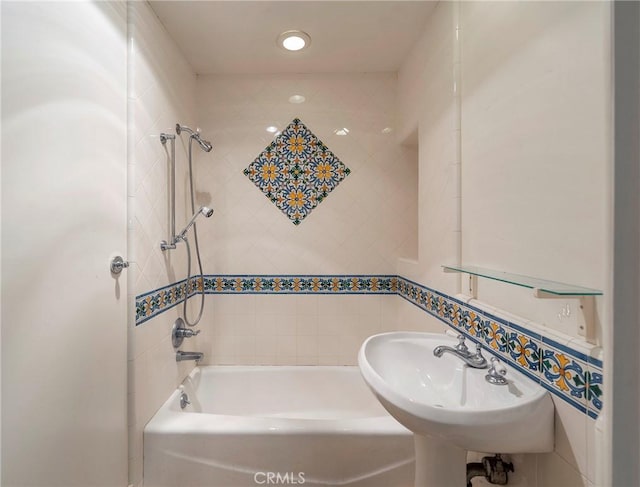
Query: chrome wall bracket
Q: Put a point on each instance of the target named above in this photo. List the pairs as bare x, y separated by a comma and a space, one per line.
164, 137
117, 264
164, 245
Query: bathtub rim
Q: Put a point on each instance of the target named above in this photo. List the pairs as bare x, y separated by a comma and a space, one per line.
170, 420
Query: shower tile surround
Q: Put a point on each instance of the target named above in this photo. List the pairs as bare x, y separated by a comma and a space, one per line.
568, 373
296, 171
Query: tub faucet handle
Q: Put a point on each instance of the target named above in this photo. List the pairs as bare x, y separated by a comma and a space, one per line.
180, 332
186, 333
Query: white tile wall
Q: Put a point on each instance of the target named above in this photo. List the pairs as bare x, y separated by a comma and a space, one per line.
161, 94
361, 227
293, 330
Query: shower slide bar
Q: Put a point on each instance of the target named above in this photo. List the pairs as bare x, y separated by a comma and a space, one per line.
206, 146
170, 243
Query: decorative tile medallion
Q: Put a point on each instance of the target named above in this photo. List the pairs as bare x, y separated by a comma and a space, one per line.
567, 373
296, 171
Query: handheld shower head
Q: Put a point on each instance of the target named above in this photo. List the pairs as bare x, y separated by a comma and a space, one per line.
204, 211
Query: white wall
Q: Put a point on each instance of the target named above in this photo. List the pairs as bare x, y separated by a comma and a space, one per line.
427, 107
535, 145
161, 94
63, 217
427, 100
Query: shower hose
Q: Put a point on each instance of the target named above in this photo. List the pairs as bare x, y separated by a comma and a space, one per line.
195, 239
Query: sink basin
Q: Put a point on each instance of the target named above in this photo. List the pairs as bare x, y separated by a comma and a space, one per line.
444, 399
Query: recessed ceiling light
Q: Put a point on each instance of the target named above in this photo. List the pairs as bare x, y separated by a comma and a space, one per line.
387, 130
271, 129
342, 131
293, 40
297, 99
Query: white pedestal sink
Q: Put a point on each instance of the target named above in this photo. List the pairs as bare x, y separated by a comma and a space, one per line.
450, 407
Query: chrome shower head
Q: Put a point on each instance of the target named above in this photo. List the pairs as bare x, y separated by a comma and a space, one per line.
205, 145
204, 211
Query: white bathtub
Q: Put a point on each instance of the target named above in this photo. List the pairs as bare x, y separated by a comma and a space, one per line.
252, 426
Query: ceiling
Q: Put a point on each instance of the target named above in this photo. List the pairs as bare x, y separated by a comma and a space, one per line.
235, 36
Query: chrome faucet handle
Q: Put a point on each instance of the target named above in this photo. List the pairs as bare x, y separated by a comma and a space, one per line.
179, 332
461, 346
186, 333
496, 373
479, 350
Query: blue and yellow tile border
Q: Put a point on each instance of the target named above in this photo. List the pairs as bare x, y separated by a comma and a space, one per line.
153, 303
567, 373
305, 284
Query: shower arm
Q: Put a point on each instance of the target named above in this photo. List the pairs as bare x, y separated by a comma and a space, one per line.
170, 244
205, 145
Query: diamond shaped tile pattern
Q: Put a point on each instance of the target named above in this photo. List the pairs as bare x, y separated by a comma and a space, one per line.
296, 171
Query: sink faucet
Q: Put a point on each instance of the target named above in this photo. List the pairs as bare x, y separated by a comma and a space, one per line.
475, 360
182, 356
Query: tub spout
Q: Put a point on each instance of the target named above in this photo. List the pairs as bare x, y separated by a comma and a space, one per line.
181, 356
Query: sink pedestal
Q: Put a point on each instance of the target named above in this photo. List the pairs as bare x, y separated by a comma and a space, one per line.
439, 463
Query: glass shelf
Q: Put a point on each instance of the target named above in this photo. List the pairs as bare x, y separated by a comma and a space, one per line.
540, 286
